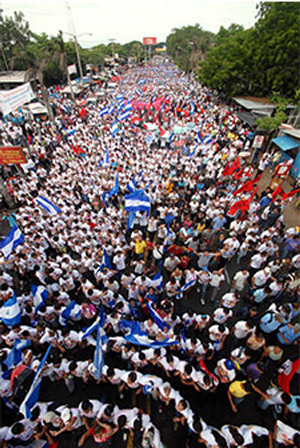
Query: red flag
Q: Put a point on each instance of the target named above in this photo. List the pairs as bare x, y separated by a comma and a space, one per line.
248, 186
284, 379
228, 170
77, 150
290, 194
257, 179
278, 190
238, 174
81, 151
242, 205
253, 194
82, 112
248, 171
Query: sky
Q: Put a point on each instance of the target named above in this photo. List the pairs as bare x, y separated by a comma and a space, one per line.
127, 20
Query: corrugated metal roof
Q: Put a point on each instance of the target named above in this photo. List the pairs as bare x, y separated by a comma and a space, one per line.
292, 132
286, 143
247, 117
14, 77
253, 103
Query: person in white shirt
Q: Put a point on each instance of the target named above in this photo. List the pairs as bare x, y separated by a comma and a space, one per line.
216, 280
240, 280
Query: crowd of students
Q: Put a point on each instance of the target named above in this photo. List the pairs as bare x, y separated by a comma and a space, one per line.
197, 298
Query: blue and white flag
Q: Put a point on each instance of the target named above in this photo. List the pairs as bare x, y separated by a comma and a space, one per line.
156, 317
191, 154
98, 361
198, 138
132, 186
120, 105
33, 393
10, 312
185, 287
104, 197
137, 201
158, 281
14, 357
103, 111
169, 218
114, 128
47, 205
115, 189
168, 238
11, 241
149, 138
141, 175
147, 186
128, 107
193, 108
125, 114
72, 310
207, 140
89, 330
119, 96
130, 221
139, 337
106, 157
141, 82
40, 294
105, 261
111, 109
105, 160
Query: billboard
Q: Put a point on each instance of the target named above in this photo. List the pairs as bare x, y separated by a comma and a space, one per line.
149, 40
11, 154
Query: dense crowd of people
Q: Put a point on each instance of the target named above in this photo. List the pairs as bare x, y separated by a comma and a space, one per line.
197, 296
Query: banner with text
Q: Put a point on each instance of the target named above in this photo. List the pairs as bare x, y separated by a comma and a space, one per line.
10, 155
15, 98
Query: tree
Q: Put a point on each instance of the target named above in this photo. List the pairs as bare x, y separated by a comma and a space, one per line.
271, 124
258, 61
277, 56
227, 64
16, 35
188, 45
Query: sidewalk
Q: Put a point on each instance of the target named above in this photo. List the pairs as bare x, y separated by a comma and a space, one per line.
291, 212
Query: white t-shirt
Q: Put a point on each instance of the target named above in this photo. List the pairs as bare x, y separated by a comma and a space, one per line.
240, 280
284, 433
248, 432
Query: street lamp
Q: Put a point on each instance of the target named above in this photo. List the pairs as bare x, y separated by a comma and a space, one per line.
77, 52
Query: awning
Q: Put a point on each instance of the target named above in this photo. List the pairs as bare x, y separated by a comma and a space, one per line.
286, 143
248, 118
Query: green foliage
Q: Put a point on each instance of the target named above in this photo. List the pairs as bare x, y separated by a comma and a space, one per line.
226, 65
188, 45
258, 61
272, 123
16, 35
52, 74
277, 55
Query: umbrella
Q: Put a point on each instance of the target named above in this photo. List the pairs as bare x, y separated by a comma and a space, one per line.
245, 154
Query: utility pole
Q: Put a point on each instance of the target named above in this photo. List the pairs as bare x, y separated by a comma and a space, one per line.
78, 59
112, 41
1, 38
